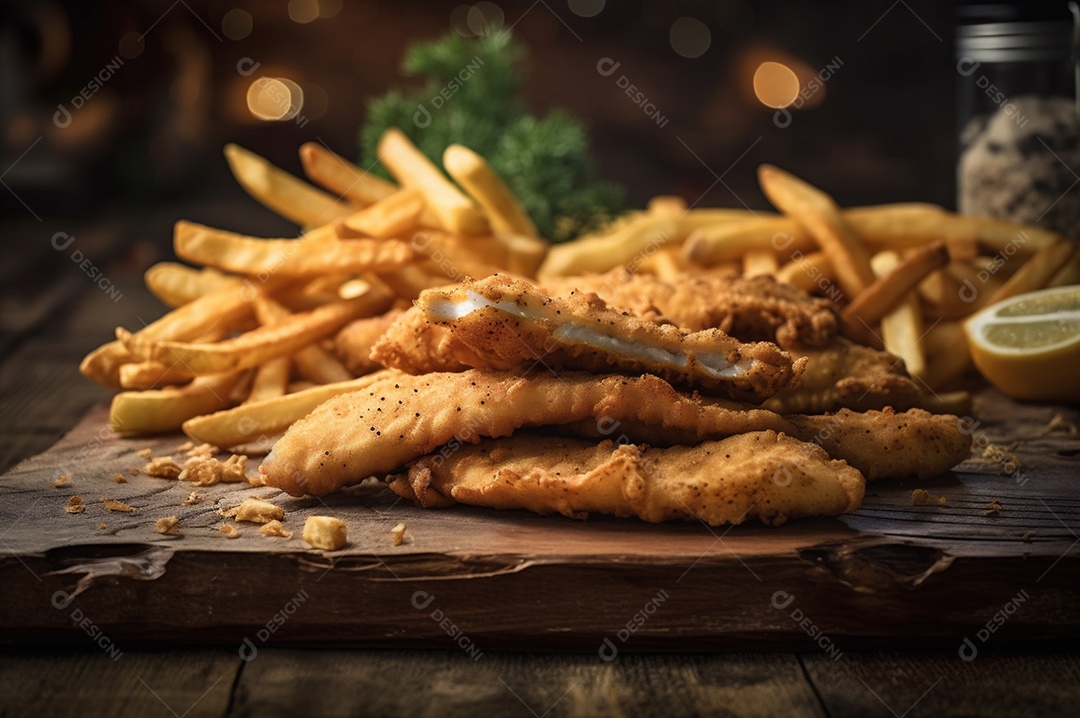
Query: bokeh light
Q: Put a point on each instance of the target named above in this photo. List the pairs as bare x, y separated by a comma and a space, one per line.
237, 24
303, 11
775, 84
586, 8
274, 98
690, 37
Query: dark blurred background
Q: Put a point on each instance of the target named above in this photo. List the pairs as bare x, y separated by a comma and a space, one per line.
122, 107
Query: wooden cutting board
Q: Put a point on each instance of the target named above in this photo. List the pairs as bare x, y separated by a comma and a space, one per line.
892, 573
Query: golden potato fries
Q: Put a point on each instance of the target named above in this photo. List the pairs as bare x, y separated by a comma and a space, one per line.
258, 345
247, 422
474, 174
630, 242
757, 262
902, 326
279, 191
868, 307
152, 375
808, 272
157, 410
286, 257
177, 284
456, 212
271, 380
393, 217
313, 362
343, 178
667, 205
816, 212
1037, 271
524, 255
715, 243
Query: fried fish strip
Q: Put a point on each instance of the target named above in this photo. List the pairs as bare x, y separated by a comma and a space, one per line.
755, 309
377, 431
353, 343
846, 374
504, 323
759, 474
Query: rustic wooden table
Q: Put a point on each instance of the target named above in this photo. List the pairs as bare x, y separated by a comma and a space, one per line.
52, 313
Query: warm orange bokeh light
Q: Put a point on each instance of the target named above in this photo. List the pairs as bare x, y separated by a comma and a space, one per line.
775, 84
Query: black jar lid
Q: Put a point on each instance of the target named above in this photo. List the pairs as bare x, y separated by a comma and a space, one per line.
1014, 32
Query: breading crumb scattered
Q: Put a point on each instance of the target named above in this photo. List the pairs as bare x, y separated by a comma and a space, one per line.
62, 480
145, 453
162, 467
229, 530
922, 497
102, 525
941, 501
1060, 425
1007, 460
186, 446
134, 471
114, 505
257, 511
325, 532
202, 451
168, 525
398, 534
207, 471
119, 478
993, 507
274, 528
192, 499
75, 505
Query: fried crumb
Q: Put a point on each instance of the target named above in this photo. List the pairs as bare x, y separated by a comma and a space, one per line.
114, 505
134, 471
119, 478
102, 525
202, 451
941, 501
1028, 536
1060, 425
920, 497
274, 528
75, 505
207, 471
993, 507
145, 453
229, 530
62, 480
186, 446
1007, 460
325, 532
192, 499
162, 467
398, 534
168, 525
257, 511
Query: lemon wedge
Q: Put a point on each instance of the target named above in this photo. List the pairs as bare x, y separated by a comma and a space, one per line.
1029, 346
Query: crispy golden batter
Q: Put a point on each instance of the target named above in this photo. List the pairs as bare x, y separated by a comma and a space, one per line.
763, 474
378, 430
504, 323
749, 309
845, 374
353, 343
887, 444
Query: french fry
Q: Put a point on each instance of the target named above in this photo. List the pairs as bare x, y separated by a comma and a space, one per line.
667, 205
409, 281
503, 209
270, 381
715, 243
245, 423
1068, 274
158, 410
258, 345
152, 375
342, 177
456, 256
393, 217
1037, 271
757, 262
223, 310
666, 262
948, 362
286, 257
313, 362
524, 255
456, 212
808, 272
868, 307
816, 212
279, 191
177, 284
629, 242
902, 326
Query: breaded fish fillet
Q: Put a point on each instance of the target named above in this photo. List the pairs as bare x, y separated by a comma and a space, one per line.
749, 309
505, 323
377, 431
354, 342
846, 374
762, 473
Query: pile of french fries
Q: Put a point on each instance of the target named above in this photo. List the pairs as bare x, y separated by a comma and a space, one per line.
247, 348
